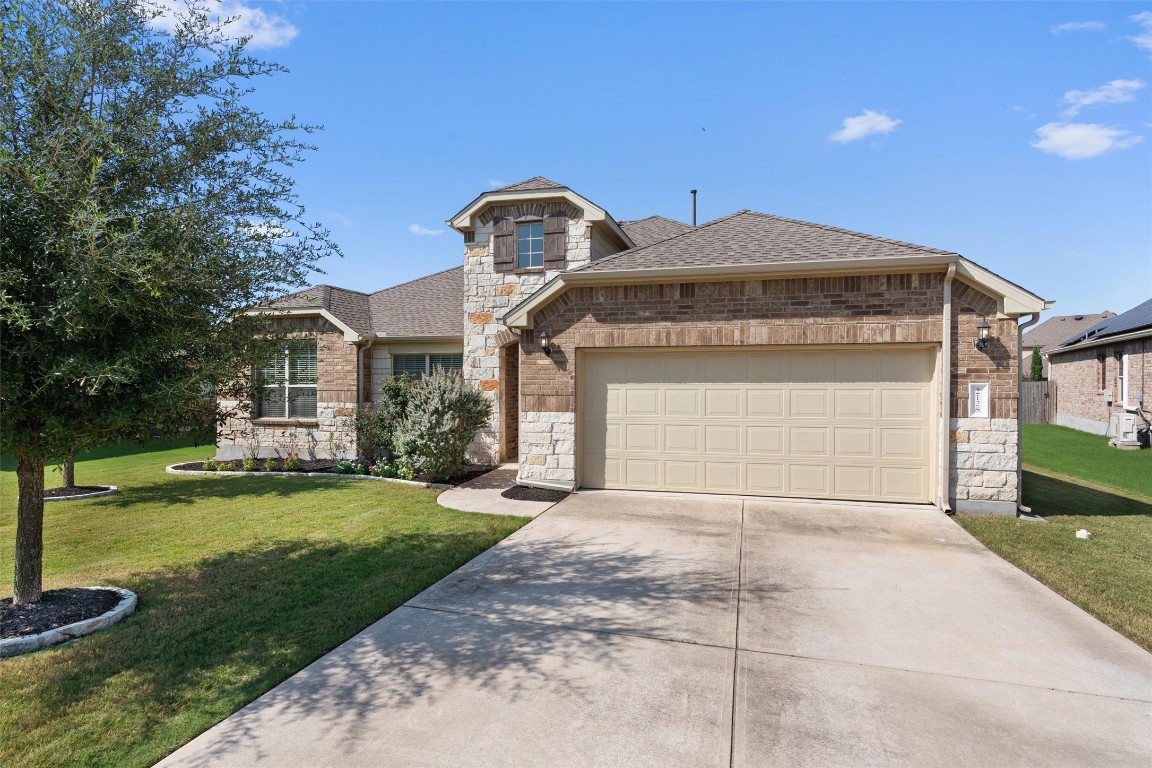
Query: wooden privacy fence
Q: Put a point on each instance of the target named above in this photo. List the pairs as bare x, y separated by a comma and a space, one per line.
1038, 402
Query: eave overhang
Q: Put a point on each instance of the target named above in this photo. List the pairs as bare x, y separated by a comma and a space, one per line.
350, 335
466, 219
1012, 300
1103, 341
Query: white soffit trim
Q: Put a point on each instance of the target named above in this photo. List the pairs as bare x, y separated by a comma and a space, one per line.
1013, 301
349, 334
592, 212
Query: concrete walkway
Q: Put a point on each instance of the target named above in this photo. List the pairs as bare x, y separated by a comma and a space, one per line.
483, 495
639, 630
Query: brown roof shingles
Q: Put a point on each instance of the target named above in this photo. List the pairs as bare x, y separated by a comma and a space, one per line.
536, 182
1056, 329
750, 238
653, 229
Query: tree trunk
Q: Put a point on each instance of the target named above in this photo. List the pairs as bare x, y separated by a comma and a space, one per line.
27, 585
68, 473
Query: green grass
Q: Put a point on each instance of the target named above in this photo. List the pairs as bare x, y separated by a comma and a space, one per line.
242, 581
1076, 480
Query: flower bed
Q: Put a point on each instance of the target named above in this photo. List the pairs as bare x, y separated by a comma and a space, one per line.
347, 467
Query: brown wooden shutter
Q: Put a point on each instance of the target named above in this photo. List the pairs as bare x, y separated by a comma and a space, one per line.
555, 232
504, 245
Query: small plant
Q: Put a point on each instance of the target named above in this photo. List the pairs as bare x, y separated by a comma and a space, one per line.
405, 470
225, 466
249, 464
382, 469
350, 467
269, 465
210, 464
292, 462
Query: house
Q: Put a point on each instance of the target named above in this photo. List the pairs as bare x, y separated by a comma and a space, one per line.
1051, 333
753, 354
1105, 370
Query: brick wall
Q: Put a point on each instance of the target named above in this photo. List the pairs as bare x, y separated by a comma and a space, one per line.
331, 434
861, 309
1081, 401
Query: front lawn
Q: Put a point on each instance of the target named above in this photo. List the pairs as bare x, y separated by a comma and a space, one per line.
1076, 480
242, 581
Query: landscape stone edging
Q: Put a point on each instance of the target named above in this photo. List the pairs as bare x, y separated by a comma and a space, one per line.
108, 491
171, 469
15, 646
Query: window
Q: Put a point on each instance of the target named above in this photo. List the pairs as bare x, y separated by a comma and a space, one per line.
530, 244
419, 366
1122, 379
288, 384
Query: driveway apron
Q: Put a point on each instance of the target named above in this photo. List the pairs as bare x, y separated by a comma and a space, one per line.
674, 630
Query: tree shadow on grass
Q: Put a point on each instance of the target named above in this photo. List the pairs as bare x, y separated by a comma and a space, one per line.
1049, 496
214, 636
8, 463
179, 491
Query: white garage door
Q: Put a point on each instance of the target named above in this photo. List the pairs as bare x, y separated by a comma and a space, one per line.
837, 424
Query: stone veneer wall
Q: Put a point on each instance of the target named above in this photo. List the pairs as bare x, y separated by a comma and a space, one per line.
1081, 403
331, 434
488, 295
862, 309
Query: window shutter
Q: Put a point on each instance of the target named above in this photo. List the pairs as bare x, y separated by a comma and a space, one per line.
504, 245
555, 230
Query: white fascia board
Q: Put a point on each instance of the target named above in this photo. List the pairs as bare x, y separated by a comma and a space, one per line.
464, 220
1143, 333
523, 314
1012, 300
383, 338
349, 334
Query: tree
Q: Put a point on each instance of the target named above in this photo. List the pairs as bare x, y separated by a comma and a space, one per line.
1037, 371
143, 205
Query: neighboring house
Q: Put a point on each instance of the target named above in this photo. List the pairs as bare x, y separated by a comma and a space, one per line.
1104, 370
1051, 333
751, 355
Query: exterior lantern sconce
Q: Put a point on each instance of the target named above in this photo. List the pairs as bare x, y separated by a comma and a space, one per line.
983, 329
547, 350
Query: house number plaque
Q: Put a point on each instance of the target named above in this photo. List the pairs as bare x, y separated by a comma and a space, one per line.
978, 401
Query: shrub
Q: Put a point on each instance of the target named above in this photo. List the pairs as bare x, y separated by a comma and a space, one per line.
249, 464
1036, 373
350, 467
269, 465
210, 464
292, 462
376, 427
382, 469
442, 417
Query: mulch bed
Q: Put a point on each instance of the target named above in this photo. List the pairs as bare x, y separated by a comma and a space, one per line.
76, 490
57, 608
325, 466
524, 493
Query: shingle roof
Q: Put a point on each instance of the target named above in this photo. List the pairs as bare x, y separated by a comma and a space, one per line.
749, 238
351, 307
653, 229
1056, 329
536, 182
1135, 319
429, 306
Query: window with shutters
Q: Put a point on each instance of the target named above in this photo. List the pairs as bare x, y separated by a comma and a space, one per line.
418, 366
287, 383
529, 244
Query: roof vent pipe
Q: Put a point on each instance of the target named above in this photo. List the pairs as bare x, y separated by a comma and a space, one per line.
693, 207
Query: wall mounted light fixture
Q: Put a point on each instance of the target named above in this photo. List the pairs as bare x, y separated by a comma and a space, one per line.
983, 329
544, 343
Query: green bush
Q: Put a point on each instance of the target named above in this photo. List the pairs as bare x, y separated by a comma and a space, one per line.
441, 418
375, 427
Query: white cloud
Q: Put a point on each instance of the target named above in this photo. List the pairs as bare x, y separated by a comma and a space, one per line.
496, 183
1115, 92
266, 30
1078, 26
340, 218
1078, 141
1143, 39
867, 124
416, 229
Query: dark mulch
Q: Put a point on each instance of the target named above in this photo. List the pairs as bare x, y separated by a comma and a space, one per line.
57, 608
524, 493
326, 465
76, 490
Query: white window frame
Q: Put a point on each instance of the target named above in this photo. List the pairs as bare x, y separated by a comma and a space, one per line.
531, 239
1122, 381
428, 362
287, 388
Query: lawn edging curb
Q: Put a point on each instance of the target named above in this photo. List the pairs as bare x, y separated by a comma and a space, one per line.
171, 469
16, 646
108, 491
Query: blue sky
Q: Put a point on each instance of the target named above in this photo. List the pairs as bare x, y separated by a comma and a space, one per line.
1018, 135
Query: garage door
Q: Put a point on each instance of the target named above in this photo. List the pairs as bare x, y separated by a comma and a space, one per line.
837, 424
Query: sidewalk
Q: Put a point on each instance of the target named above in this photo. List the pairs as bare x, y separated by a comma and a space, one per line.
483, 495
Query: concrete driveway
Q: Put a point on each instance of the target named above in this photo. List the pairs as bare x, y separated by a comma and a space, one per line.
645, 630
